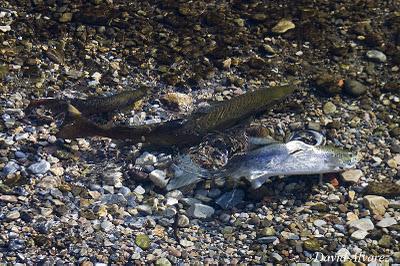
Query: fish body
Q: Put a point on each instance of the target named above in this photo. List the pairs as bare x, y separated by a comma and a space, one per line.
238, 109
93, 105
181, 132
276, 159
286, 159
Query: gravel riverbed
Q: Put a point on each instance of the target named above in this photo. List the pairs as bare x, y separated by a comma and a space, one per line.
95, 200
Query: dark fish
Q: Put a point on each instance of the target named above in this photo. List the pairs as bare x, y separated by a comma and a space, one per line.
385, 188
93, 105
181, 132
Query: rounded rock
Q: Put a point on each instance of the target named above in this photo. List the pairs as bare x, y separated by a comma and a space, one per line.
40, 168
354, 88
377, 56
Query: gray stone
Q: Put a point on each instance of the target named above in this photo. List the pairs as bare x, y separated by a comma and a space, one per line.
333, 198
199, 210
376, 56
118, 199
364, 224
386, 222
359, 234
106, 225
9, 198
340, 228
354, 87
40, 168
139, 190
13, 215
146, 159
230, 199
108, 189
163, 262
145, 208
10, 168
113, 177
159, 178
319, 223
186, 243
124, 191
276, 256
267, 239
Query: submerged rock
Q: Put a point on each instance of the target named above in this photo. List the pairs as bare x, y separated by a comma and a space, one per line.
354, 88
143, 241
199, 210
40, 168
283, 26
386, 222
178, 100
159, 178
376, 56
376, 204
230, 199
352, 176
362, 224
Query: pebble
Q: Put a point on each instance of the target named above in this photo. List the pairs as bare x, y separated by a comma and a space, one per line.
362, 224
283, 26
65, 17
143, 241
312, 245
186, 243
377, 56
276, 256
333, 198
329, 108
376, 204
163, 262
10, 168
113, 177
159, 178
319, 223
106, 225
199, 210
9, 198
5, 28
40, 168
340, 228
352, 176
386, 222
183, 221
146, 159
359, 234
267, 239
178, 100
13, 215
354, 87
139, 190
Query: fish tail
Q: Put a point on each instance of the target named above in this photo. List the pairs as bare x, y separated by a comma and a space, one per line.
55, 105
187, 172
77, 126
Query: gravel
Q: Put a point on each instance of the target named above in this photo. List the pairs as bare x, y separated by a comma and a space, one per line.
97, 201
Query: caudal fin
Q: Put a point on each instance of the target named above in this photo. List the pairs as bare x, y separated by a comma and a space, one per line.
186, 172
77, 126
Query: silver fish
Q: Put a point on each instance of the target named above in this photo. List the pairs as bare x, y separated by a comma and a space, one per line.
276, 159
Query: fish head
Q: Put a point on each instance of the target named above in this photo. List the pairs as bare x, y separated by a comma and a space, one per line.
339, 159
